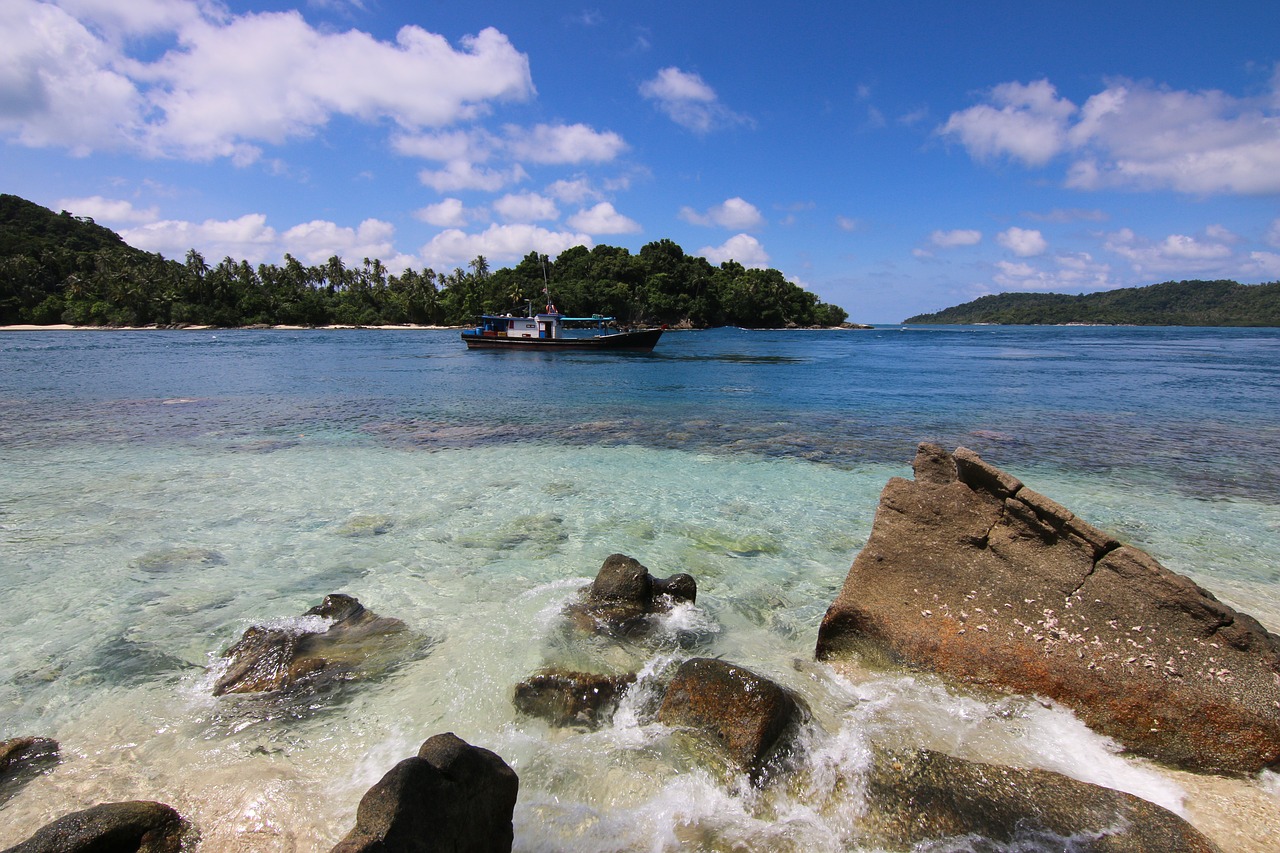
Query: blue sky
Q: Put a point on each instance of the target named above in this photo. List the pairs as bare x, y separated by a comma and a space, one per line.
892, 158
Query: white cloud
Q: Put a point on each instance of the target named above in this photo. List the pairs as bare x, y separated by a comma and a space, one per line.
603, 219
689, 101
575, 191
576, 143
742, 248
317, 241
958, 237
845, 223
245, 238
735, 213
449, 213
108, 210
526, 207
1133, 135
498, 243
1023, 242
1027, 122
461, 175
1262, 266
1067, 273
1177, 254
472, 146
232, 83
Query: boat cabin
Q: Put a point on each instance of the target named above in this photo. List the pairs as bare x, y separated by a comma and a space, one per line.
546, 326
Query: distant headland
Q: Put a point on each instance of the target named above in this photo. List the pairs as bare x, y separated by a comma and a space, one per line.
1173, 303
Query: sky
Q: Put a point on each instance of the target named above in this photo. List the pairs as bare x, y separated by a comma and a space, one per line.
893, 158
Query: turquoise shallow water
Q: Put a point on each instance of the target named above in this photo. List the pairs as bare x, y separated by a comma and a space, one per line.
161, 491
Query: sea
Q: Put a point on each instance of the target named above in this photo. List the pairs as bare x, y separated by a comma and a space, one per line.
163, 491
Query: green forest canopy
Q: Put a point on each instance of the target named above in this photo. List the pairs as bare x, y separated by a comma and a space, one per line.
59, 268
1173, 303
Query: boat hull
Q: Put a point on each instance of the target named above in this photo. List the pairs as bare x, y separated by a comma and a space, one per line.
641, 341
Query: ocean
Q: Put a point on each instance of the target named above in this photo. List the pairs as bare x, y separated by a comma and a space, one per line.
161, 491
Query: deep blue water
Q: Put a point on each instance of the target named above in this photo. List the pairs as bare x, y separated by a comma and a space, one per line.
1196, 407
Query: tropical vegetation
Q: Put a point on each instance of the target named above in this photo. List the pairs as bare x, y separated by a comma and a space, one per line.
1172, 303
59, 268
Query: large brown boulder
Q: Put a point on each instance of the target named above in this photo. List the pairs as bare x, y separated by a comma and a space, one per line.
918, 797
451, 797
132, 827
970, 574
624, 594
744, 714
276, 658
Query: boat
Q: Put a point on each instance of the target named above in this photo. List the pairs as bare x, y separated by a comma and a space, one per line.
552, 330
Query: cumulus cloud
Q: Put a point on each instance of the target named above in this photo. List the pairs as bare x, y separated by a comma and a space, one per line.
1177, 254
603, 219
247, 237
500, 243
1023, 242
742, 248
1132, 135
526, 207
231, 83
317, 241
463, 175
449, 213
558, 144
688, 101
958, 237
108, 210
1066, 273
573, 191
1273, 234
735, 213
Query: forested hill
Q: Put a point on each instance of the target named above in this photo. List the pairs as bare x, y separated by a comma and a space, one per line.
1173, 303
59, 268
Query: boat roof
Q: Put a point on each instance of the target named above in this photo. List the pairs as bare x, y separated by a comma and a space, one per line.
595, 318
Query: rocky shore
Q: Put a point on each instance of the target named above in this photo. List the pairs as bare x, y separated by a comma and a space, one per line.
968, 575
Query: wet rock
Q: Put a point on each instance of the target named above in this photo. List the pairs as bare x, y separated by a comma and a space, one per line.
267, 659
973, 575
140, 826
22, 759
746, 715
918, 797
566, 698
624, 594
451, 797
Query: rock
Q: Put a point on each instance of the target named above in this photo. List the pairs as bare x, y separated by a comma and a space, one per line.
19, 752
140, 826
571, 698
919, 797
276, 658
624, 593
970, 574
745, 714
450, 797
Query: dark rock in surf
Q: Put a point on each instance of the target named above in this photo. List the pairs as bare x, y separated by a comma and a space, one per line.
131, 827
742, 713
23, 759
970, 574
266, 659
923, 797
624, 594
451, 797
565, 698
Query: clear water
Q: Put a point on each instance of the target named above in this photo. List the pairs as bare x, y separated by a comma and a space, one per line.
161, 491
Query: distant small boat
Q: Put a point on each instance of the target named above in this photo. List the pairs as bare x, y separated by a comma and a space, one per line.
547, 331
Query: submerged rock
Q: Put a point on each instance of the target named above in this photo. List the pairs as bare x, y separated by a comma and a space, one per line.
918, 797
624, 594
275, 658
451, 797
565, 698
970, 574
22, 759
140, 826
745, 714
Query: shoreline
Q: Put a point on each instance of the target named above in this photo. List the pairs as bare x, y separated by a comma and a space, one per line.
64, 327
